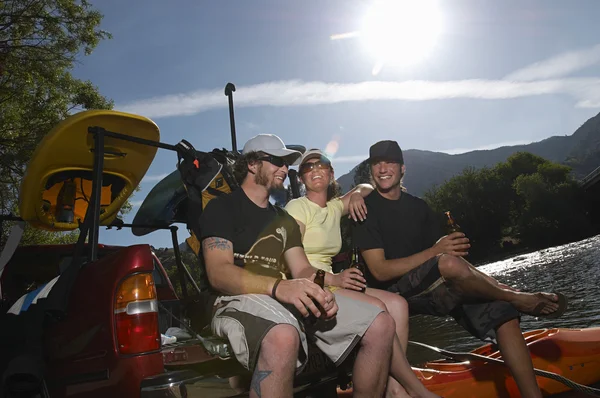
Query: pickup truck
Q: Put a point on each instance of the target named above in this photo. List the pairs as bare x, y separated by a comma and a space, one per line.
109, 339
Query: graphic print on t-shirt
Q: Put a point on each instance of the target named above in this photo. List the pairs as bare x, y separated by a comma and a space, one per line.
265, 256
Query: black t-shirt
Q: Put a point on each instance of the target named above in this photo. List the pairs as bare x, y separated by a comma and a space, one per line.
259, 235
400, 227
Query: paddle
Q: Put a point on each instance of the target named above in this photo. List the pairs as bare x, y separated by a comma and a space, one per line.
469, 356
229, 89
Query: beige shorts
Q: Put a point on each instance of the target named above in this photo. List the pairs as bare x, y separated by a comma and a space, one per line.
246, 319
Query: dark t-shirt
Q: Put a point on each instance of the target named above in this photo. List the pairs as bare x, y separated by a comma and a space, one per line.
400, 227
259, 236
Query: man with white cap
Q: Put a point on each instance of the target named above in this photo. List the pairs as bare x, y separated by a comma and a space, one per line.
249, 246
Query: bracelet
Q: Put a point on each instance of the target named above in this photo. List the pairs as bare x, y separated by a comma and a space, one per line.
275, 288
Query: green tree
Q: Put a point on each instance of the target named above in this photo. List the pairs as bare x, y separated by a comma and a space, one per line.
362, 173
527, 199
40, 42
478, 200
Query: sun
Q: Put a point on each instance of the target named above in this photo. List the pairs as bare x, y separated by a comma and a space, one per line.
398, 32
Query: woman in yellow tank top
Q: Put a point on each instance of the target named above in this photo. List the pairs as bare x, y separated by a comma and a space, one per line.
319, 218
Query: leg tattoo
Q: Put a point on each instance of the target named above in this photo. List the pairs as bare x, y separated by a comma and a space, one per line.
259, 375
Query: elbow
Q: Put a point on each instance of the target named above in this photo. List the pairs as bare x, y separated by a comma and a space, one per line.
378, 273
213, 279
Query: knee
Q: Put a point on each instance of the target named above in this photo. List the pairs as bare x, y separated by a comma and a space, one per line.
509, 326
381, 330
452, 267
281, 339
377, 303
397, 306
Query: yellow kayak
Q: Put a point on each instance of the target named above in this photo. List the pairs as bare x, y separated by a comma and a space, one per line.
57, 186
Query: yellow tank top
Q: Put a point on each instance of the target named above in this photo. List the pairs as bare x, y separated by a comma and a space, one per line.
322, 237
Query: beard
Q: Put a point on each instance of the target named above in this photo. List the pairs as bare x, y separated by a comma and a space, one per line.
261, 178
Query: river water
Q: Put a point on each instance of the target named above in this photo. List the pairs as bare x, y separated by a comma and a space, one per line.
573, 269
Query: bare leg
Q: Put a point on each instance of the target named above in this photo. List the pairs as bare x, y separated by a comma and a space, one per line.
398, 308
400, 369
470, 283
372, 363
516, 355
274, 373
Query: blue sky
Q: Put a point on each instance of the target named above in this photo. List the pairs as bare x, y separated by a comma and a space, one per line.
499, 73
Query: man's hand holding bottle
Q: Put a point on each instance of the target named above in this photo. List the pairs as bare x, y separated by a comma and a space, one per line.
308, 298
455, 244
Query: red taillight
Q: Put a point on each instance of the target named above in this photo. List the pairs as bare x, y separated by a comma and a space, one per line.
136, 315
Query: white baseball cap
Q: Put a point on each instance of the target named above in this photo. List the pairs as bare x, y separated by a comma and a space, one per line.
314, 153
271, 145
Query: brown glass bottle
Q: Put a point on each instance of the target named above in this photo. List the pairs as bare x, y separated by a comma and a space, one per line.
451, 224
357, 264
319, 280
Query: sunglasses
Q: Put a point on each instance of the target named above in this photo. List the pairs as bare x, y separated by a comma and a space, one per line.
275, 161
321, 165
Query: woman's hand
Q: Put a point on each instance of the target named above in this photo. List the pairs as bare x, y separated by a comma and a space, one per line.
357, 208
351, 279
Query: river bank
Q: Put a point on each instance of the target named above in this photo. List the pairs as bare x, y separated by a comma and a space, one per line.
517, 251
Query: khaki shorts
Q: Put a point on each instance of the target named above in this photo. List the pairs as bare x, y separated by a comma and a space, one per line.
246, 319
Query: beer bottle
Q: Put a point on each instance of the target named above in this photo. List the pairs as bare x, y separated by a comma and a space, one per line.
451, 224
319, 280
357, 264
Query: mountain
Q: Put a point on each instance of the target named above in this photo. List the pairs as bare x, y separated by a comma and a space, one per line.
425, 169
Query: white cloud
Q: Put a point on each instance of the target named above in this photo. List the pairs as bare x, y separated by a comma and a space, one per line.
297, 93
558, 66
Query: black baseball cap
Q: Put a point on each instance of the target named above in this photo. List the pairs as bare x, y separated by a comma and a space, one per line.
387, 151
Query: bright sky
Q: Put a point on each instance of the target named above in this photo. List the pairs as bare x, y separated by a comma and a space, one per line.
448, 76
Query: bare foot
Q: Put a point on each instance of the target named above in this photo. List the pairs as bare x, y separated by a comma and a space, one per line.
536, 304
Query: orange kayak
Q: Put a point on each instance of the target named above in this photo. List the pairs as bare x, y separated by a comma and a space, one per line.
572, 353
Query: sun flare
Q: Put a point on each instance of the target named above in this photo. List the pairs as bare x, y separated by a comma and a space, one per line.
398, 32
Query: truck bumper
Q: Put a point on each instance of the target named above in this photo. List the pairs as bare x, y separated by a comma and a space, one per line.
169, 385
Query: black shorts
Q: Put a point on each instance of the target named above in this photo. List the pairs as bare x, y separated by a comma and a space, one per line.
428, 294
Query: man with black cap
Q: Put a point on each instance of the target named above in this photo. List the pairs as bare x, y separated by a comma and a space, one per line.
406, 253
249, 246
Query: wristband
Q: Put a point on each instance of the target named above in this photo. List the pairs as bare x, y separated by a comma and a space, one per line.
275, 288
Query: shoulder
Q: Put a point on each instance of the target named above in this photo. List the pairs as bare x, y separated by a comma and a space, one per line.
373, 197
415, 202
284, 215
228, 202
298, 208
415, 199
336, 203
298, 203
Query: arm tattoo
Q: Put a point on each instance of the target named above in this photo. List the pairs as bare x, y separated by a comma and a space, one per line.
216, 243
259, 375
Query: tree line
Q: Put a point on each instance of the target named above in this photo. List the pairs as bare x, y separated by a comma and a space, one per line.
40, 43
